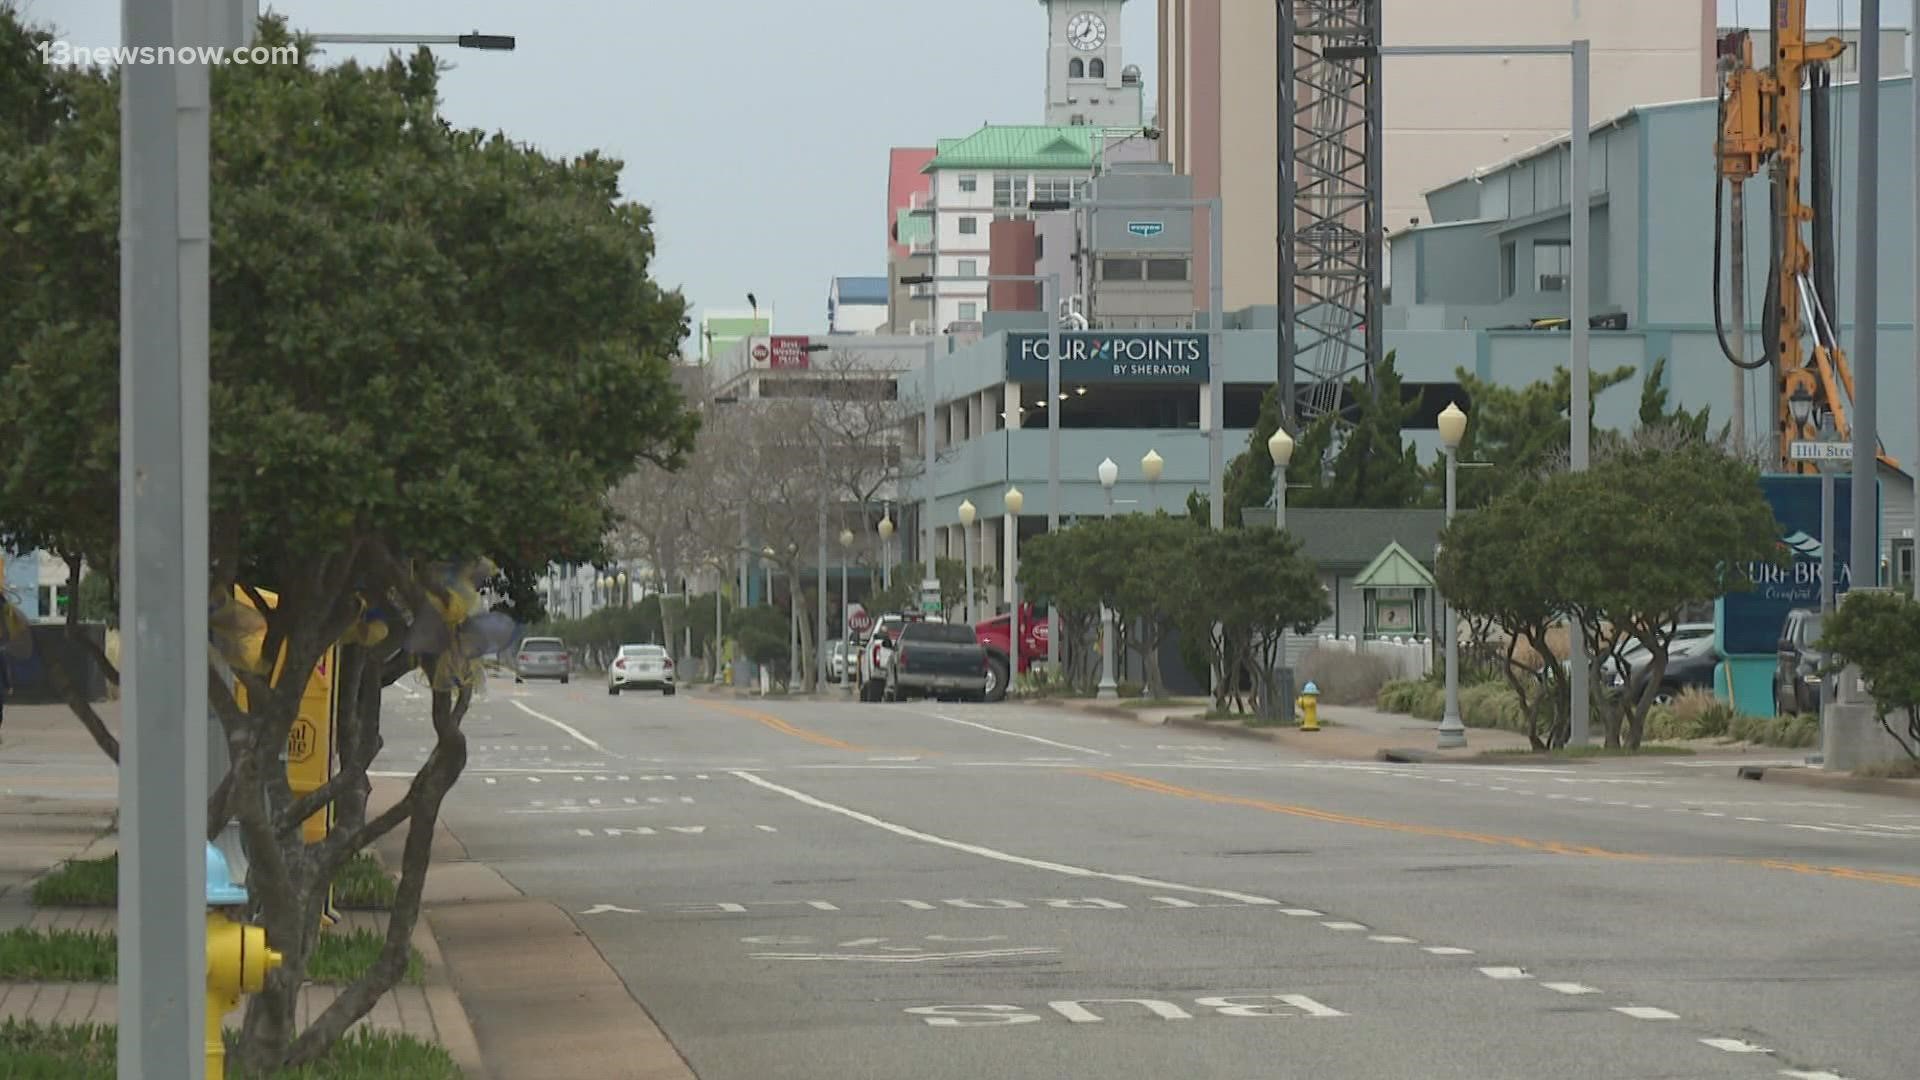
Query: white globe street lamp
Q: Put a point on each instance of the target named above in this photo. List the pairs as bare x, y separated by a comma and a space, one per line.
1108, 690
1453, 733
968, 513
1014, 502
1280, 449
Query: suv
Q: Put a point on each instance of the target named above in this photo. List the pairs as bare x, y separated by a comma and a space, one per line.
542, 658
1796, 672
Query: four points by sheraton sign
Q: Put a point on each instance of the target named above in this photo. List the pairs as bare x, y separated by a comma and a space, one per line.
1097, 356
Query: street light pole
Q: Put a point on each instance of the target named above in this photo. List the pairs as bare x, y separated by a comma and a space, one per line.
1864, 557
1453, 733
1016, 650
967, 513
1108, 690
927, 574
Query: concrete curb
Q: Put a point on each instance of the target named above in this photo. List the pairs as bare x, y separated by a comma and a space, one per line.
1113, 711
450, 1020
1410, 756
1804, 776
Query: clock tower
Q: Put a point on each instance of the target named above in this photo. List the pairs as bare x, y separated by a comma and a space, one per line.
1088, 81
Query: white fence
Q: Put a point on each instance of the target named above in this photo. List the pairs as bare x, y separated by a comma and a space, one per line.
1412, 658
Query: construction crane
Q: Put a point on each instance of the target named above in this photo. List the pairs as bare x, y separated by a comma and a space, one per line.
1760, 124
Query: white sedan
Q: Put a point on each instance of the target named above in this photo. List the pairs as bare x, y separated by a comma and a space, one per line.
641, 667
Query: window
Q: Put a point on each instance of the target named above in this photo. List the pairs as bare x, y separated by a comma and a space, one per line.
969, 226
1010, 192
1509, 270
969, 311
1121, 270
969, 183
1077, 69
1166, 269
969, 267
1552, 264
1097, 69
1051, 188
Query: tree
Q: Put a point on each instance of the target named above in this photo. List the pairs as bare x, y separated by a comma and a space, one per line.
1656, 414
1058, 567
1521, 431
433, 353
1372, 467
1493, 566
1879, 633
1139, 571
1256, 585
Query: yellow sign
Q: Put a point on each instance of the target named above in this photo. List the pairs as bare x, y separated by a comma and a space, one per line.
301, 741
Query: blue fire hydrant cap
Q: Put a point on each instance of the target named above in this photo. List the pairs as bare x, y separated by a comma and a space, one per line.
221, 891
1311, 689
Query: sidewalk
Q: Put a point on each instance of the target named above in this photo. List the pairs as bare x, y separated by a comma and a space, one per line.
57, 796
1347, 733
544, 1002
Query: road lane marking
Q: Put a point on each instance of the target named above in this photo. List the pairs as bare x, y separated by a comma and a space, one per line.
1300, 912
563, 726
1015, 734
1845, 873
1343, 926
990, 853
1146, 784
1570, 988
1447, 950
1505, 973
908, 958
1391, 939
784, 728
1645, 1012
1736, 1046
1798, 1075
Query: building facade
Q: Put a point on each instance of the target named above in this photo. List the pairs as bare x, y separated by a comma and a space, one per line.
857, 305
721, 330
1444, 116
1089, 82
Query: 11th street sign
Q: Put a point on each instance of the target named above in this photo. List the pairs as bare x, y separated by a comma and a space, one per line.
1819, 451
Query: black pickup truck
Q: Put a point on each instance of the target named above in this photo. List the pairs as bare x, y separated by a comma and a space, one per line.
937, 659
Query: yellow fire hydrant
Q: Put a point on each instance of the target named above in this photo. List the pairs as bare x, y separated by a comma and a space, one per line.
1309, 705
238, 959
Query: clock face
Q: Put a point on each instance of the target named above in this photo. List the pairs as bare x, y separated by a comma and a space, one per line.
1087, 31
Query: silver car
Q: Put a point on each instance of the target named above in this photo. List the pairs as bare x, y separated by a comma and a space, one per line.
641, 667
542, 658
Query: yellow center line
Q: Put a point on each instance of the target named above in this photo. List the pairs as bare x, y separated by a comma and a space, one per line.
797, 732
1142, 783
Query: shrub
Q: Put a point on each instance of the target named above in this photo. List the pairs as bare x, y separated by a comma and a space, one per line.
1788, 732
1695, 714
1491, 705
1412, 697
1345, 678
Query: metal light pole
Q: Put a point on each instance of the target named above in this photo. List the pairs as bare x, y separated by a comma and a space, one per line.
1108, 690
1280, 449
1913, 139
846, 600
1453, 733
164, 244
886, 551
1050, 300
967, 515
820, 589
1865, 558
1216, 301
1015, 502
1580, 200
928, 579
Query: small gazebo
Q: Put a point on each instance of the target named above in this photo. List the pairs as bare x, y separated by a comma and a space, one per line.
1398, 594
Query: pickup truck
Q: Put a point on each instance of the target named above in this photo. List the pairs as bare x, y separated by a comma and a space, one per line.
876, 653
994, 634
937, 659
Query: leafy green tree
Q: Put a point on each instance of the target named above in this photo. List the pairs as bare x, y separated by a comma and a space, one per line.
1372, 467
1140, 568
1657, 414
433, 354
1061, 566
1494, 564
1522, 431
1879, 633
1255, 585
763, 634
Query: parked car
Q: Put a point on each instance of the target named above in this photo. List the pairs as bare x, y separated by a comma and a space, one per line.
877, 654
1796, 672
994, 634
842, 656
1688, 639
938, 659
641, 667
542, 658
1691, 662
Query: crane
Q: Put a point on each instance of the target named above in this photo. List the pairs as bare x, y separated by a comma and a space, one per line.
1760, 122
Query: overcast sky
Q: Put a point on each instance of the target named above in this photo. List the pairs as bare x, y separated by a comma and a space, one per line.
756, 129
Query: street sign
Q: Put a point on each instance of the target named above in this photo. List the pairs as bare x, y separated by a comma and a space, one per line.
760, 353
930, 596
858, 620
1146, 228
1819, 451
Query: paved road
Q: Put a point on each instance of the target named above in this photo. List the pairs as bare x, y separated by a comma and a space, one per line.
848, 891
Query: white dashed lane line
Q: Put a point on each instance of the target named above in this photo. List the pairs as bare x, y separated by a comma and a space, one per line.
1645, 1012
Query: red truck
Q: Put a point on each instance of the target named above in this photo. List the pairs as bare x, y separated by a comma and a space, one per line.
995, 634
